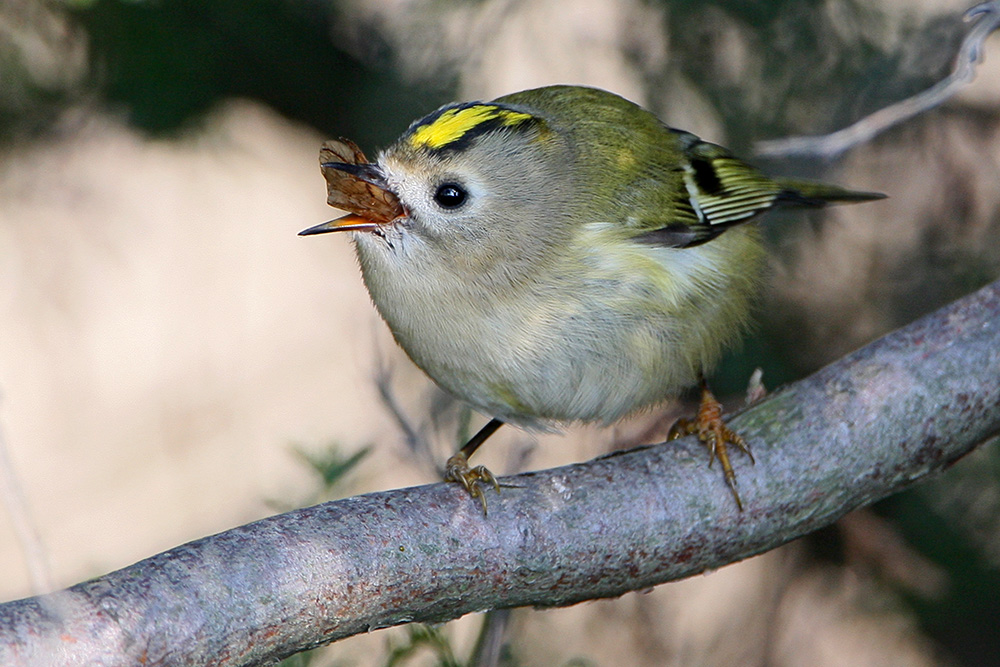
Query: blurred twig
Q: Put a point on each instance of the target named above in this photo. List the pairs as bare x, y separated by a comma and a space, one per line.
858, 430
492, 638
418, 436
24, 529
986, 18
440, 409
872, 543
415, 442
422, 636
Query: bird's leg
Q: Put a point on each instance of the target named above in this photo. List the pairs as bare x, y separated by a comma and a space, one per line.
457, 468
713, 432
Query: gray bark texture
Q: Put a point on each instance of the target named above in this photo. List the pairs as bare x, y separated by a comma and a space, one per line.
858, 430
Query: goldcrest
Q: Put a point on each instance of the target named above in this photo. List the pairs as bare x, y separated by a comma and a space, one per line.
559, 255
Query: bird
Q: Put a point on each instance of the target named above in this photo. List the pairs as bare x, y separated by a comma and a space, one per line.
559, 255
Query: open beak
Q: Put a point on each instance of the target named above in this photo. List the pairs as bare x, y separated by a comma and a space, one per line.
349, 223
358, 187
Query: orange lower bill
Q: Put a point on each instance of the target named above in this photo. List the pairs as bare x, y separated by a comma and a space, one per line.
349, 223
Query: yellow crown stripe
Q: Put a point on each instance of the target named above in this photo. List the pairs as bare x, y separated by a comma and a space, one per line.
453, 124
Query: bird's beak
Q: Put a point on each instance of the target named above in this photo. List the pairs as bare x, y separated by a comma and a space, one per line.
357, 186
349, 223
361, 189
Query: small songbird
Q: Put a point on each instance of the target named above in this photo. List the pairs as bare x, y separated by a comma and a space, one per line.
559, 255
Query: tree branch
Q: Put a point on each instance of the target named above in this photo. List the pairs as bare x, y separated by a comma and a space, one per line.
985, 18
860, 429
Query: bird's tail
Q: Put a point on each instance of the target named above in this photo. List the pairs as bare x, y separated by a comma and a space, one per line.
810, 193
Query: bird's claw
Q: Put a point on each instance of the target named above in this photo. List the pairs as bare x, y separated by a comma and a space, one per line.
715, 435
457, 469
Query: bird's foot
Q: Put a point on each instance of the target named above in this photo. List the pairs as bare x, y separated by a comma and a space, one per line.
714, 434
457, 469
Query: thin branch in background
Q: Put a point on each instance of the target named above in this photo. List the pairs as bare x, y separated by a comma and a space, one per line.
414, 440
492, 638
24, 529
872, 543
439, 422
986, 18
422, 637
443, 422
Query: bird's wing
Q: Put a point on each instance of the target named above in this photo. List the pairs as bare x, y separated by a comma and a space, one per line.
718, 191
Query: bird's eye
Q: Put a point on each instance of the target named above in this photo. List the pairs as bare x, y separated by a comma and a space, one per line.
450, 195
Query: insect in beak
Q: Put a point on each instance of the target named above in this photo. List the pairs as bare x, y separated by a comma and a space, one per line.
356, 185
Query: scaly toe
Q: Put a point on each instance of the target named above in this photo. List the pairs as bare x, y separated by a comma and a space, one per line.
457, 470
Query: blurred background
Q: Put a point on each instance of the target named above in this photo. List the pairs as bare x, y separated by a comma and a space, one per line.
175, 361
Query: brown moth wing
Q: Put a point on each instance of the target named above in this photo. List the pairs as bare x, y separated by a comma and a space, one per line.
350, 193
